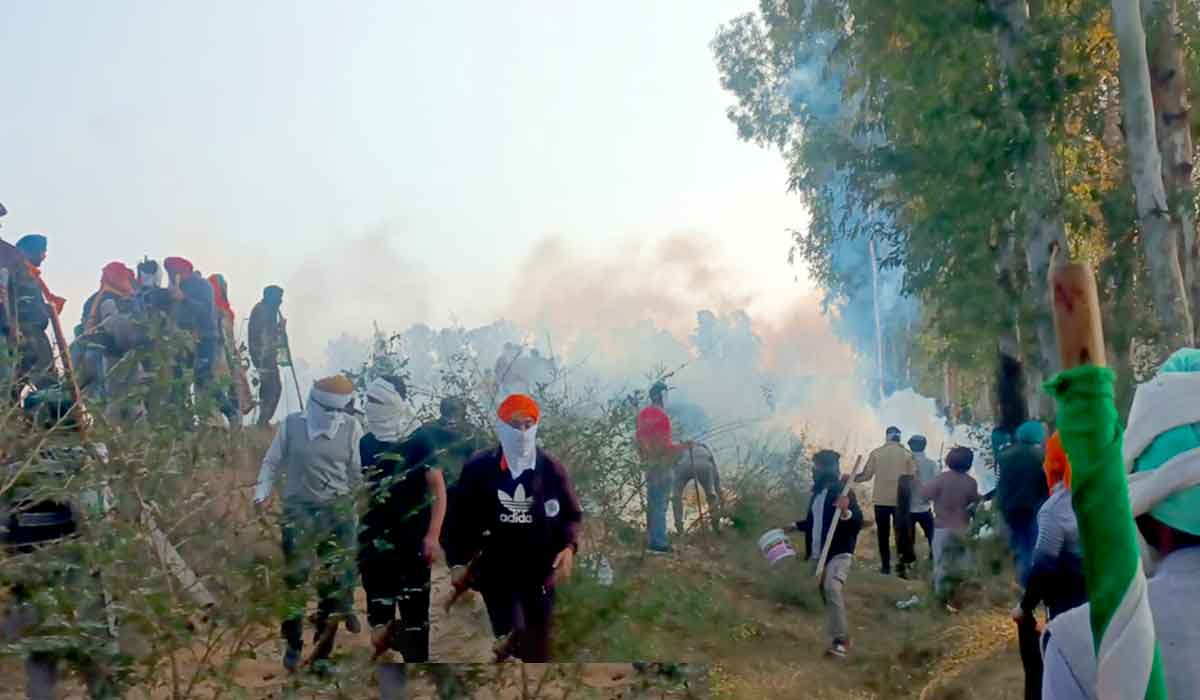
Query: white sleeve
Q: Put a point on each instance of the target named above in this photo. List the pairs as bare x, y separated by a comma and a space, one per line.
271, 464
354, 468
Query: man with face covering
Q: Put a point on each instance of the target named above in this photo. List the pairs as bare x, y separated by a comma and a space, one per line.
831, 499
317, 450
402, 524
266, 336
523, 499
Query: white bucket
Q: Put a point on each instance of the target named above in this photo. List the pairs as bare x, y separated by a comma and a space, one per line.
775, 546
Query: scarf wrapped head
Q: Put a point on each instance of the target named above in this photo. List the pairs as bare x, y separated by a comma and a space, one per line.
117, 278
221, 295
178, 267
960, 459
389, 416
1162, 444
1056, 466
518, 447
1031, 432
328, 404
273, 295
33, 245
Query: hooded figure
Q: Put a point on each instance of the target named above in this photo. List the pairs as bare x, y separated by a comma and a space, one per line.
1161, 451
318, 451
402, 524
831, 499
523, 499
1021, 490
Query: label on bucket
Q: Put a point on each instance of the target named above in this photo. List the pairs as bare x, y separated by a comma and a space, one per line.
775, 546
781, 550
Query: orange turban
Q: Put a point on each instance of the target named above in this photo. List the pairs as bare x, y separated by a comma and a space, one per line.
519, 406
337, 384
118, 279
1057, 467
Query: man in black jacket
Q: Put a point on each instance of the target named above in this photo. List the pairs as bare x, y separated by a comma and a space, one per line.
830, 499
523, 500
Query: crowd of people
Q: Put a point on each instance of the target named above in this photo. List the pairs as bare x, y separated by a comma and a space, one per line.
185, 328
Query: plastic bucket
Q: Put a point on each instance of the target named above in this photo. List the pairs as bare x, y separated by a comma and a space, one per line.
775, 546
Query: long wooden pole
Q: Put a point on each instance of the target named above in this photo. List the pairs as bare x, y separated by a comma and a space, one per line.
846, 481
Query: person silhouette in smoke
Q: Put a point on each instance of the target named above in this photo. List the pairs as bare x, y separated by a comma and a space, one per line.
893, 468
659, 453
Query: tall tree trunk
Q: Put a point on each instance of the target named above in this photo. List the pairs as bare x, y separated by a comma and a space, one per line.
1160, 243
1168, 85
1040, 193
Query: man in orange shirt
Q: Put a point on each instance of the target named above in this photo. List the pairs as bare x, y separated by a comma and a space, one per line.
659, 453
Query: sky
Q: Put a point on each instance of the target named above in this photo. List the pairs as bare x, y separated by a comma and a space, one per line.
383, 161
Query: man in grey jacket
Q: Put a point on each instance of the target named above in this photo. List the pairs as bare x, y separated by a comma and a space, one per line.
317, 452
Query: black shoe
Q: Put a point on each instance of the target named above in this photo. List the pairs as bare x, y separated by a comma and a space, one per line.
291, 658
902, 573
885, 570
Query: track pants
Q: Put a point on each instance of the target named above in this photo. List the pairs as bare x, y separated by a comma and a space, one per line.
399, 583
524, 612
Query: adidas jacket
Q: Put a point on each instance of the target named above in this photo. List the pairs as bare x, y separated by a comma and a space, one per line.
518, 525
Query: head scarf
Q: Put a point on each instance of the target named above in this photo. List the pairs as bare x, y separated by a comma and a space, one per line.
32, 245
328, 401
825, 468
178, 266
518, 447
389, 416
1162, 444
892, 434
221, 295
273, 295
115, 279
1056, 466
1031, 432
917, 443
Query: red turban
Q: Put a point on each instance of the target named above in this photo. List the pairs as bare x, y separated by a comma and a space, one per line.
178, 266
117, 278
1056, 466
519, 406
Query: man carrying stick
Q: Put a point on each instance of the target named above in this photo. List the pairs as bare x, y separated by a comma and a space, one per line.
830, 497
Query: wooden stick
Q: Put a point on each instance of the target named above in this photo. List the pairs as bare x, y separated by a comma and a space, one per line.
64, 354
846, 480
1077, 321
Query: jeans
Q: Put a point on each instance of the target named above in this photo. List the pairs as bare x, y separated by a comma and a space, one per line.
658, 496
270, 389
1022, 537
883, 530
836, 573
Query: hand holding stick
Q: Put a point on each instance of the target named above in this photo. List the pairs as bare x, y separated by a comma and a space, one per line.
833, 525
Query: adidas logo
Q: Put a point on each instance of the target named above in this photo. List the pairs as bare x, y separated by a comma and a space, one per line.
517, 505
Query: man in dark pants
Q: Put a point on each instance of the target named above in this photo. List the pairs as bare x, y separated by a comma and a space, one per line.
266, 334
402, 524
33, 302
892, 467
922, 509
523, 498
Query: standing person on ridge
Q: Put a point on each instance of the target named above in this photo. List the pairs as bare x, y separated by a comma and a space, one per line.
1021, 491
266, 336
522, 499
927, 471
35, 304
227, 363
830, 497
401, 526
892, 467
317, 451
659, 453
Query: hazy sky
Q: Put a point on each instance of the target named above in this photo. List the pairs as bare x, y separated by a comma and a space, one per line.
411, 152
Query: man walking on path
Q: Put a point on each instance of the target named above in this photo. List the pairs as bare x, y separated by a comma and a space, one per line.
831, 498
318, 453
892, 467
952, 494
1021, 490
266, 337
659, 453
515, 519
921, 511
